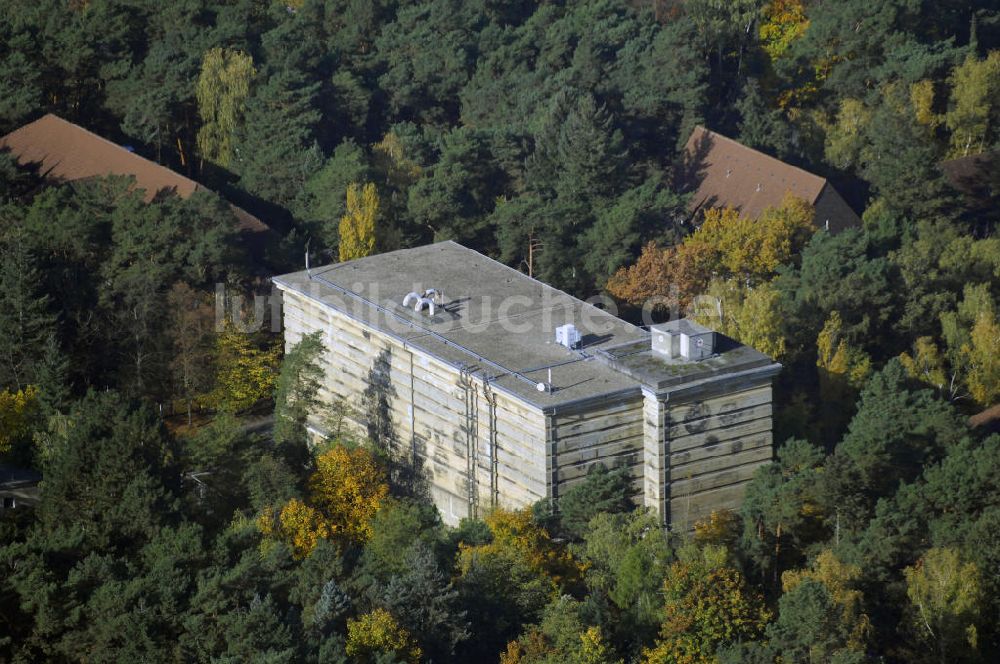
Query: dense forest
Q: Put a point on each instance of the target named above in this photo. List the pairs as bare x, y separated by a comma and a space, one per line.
549, 135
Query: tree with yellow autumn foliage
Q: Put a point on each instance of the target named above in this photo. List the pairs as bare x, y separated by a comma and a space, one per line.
521, 555
969, 365
390, 158
946, 597
648, 279
708, 605
841, 582
974, 105
348, 487
784, 21
245, 370
927, 364
752, 316
222, 90
720, 528
372, 636
357, 226
516, 533
298, 524
983, 353
17, 411
838, 361
561, 638
727, 245
752, 249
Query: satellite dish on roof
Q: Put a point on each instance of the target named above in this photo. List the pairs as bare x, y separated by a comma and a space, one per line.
541, 387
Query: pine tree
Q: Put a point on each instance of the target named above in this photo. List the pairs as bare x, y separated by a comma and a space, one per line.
896, 432
591, 153
425, 603
51, 377
762, 126
274, 149
324, 198
601, 491
26, 324
20, 84
111, 469
297, 388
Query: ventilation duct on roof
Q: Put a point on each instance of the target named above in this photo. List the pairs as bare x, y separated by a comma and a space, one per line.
429, 299
425, 302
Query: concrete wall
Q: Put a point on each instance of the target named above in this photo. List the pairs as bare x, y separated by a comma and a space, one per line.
476, 446
607, 432
702, 448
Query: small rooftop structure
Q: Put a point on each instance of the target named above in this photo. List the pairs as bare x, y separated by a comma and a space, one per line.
66, 152
683, 340
725, 173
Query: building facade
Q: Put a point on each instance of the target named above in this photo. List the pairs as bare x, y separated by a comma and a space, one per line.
504, 391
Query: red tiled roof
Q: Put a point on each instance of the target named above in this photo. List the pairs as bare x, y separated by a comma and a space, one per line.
67, 152
975, 175
725, 173
987, 418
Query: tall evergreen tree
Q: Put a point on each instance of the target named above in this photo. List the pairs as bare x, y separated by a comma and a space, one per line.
895, 433
274, 148
426, 605
26, 321
111, 469
297, 389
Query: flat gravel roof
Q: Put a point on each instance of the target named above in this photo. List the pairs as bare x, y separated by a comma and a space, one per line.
493, 320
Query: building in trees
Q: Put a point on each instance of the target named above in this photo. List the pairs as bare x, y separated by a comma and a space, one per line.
724, 173
465, 367
65, 152
18, 487
977, 180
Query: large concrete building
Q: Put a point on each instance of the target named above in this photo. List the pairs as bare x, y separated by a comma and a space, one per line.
506, 391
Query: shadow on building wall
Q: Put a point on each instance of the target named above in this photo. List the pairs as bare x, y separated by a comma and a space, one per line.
405, 465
